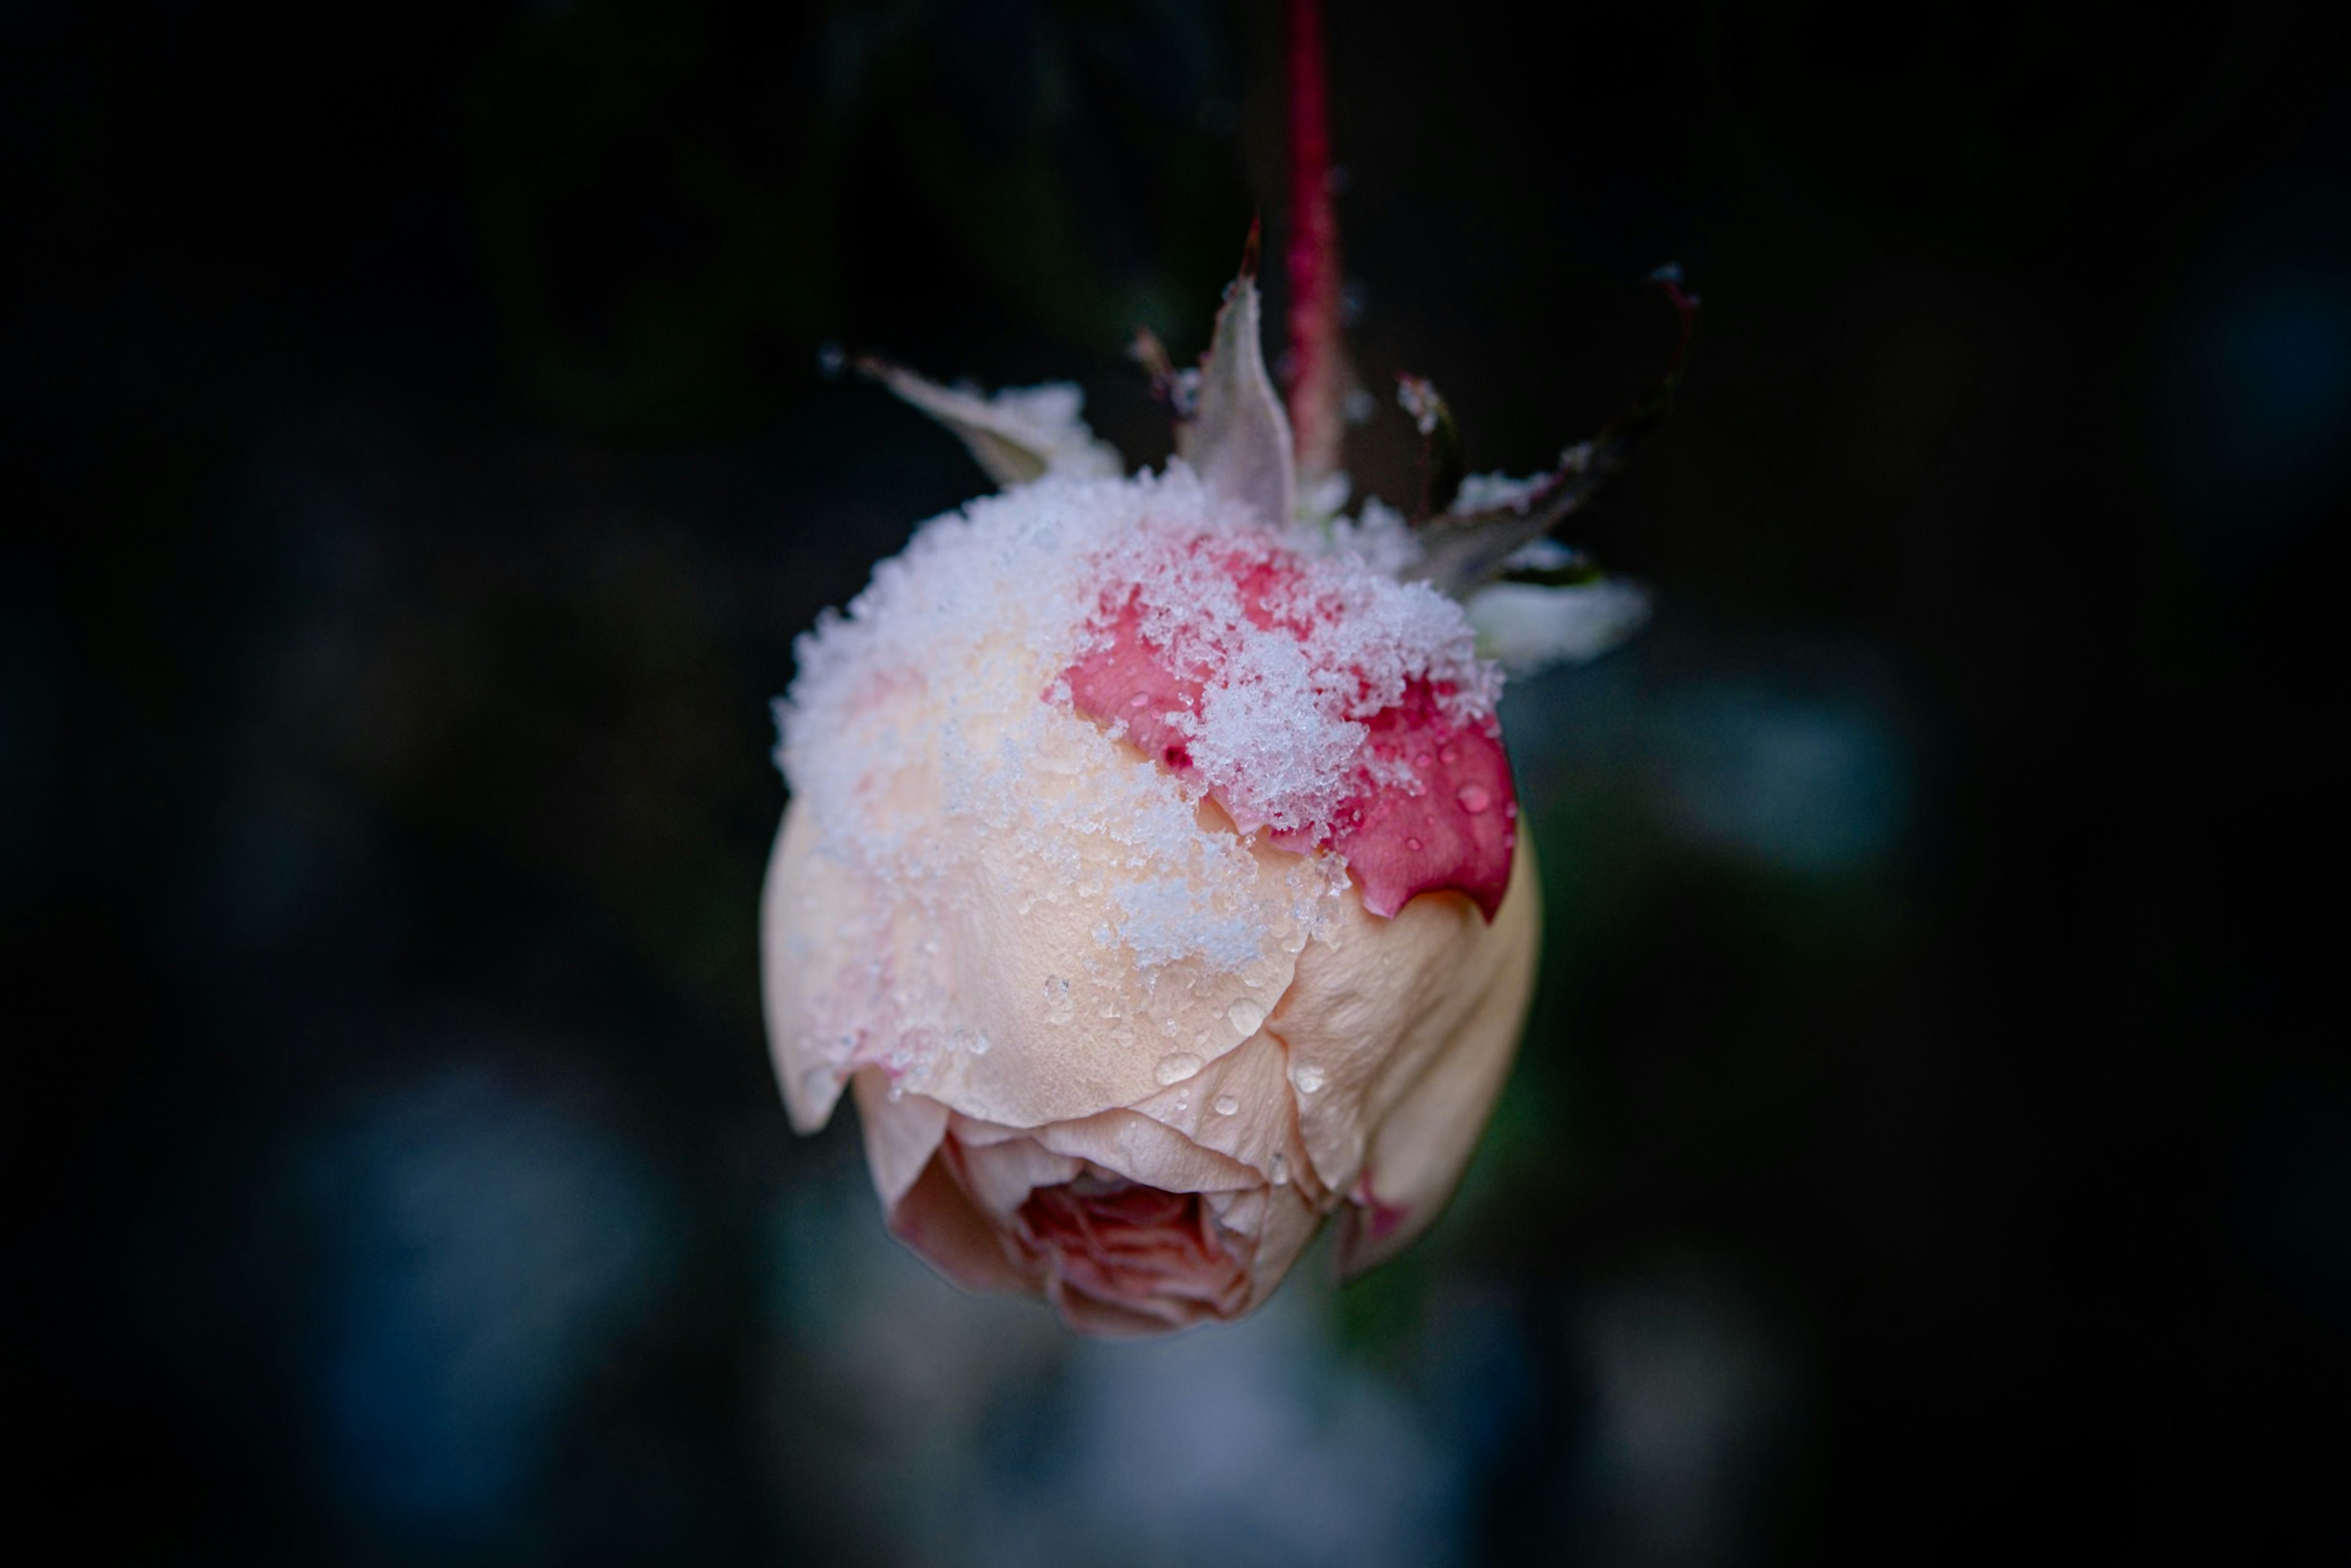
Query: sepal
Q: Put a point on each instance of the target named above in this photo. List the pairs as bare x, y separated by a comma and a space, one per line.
1019, 434
1239, 440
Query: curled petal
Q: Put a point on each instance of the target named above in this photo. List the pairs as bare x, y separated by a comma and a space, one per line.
1373, 1009
1420, 1148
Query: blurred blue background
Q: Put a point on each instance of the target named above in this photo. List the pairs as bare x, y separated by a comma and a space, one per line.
1934, 1133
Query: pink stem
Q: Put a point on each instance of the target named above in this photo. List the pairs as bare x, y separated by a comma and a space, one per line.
1317, 386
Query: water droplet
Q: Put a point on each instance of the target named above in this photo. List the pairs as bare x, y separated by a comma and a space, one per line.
1177, 1067
1474, 798
979, 1042
1247, 1015
1281, 1170
1227, 1104
817, 1082
1307, 1077
1140, 699
897, 1093
1449, 756
1412, 843
1422, 760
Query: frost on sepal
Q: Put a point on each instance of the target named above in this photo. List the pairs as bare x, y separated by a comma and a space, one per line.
1238, 438
1018, 435
1492, 520
1526, 626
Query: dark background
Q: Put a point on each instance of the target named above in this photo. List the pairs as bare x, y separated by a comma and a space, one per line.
1935, 1135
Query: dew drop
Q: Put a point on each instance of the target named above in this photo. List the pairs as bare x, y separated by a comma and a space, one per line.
1309, 1078
1227, 1104
1474, 798
1246, 1015
1412, 843
1281, 1170
1176, 1067
1140, 699
1449, 756
979, 1042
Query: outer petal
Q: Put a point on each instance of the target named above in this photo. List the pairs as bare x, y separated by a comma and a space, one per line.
1374, 1013
1000, 1173
1280, 1221
798, 916
1238, 1107
1418, 1153
900, 1134
1147, 1152
938, 1222
1005, 1003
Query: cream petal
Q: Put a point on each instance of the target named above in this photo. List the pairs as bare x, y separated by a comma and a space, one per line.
1419, 1150
797, 913
1276, 1222
900, 1134
1147, 1152
1009, 951
939, 1222
1237, 1105
1370, 1010
1000, 1175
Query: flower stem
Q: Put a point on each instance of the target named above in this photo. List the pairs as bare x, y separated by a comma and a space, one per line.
1318, 365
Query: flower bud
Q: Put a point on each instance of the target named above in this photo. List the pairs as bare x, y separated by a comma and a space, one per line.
1152, 876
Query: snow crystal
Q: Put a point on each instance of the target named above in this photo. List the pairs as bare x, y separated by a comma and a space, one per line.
1291, 653
1529, 627
1487, 492
933, 738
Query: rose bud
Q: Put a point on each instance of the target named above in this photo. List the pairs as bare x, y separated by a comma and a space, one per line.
1153, 876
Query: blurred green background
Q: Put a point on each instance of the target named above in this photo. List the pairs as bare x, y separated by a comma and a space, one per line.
1928, 1139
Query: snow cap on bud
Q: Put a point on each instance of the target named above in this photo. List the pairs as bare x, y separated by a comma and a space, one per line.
1153, 876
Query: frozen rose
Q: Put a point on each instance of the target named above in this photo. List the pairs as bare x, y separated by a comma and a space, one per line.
1153, 877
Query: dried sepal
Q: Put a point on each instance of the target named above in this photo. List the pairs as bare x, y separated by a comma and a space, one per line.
1019, 434
1471, 544
1440, 442
1239, 440
1177, 390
